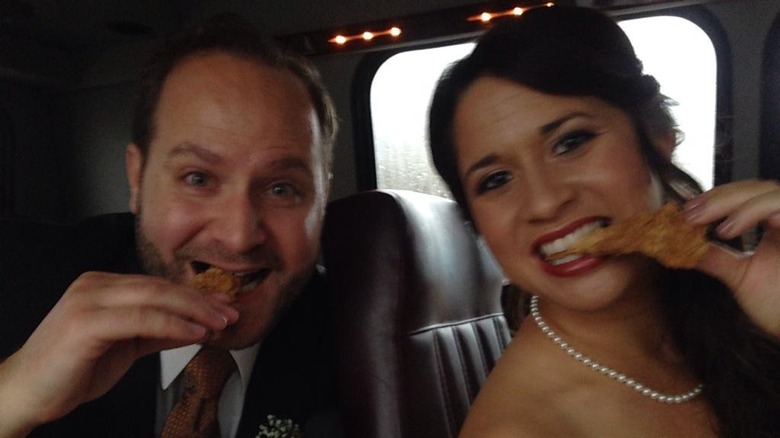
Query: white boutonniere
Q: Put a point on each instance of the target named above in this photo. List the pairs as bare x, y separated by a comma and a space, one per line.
279, 428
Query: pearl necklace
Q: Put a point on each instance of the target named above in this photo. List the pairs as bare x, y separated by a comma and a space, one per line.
604, 370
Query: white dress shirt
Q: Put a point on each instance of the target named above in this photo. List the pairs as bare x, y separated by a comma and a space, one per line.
231, 402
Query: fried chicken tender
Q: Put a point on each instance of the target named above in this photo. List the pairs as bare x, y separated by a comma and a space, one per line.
215, 280
663, 235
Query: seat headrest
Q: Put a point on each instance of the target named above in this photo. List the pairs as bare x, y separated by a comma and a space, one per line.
417, 245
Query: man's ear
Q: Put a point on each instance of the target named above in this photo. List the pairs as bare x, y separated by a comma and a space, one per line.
134, 167
328, 185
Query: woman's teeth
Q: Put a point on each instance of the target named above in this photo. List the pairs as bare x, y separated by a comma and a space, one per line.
566, 241
562, 260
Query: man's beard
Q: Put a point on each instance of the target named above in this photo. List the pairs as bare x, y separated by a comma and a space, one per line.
153, 263
152, 260
289, 287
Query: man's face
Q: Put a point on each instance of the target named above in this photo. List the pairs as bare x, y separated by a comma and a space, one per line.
235, 177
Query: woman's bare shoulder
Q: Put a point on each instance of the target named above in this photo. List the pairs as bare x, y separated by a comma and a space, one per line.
498, 430
532, 392
497, 417
518, 399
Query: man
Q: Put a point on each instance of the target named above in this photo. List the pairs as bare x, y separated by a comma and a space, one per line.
228, 168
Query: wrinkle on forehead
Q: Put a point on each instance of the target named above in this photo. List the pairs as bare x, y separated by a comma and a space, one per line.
223, 92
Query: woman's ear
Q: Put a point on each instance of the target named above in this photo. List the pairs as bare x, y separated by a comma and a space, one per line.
666, 143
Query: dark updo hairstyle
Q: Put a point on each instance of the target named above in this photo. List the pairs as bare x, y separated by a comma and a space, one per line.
563, 51
573, 51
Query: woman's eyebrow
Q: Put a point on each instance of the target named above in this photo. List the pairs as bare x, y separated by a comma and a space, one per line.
484, 162
544, 129
555, 124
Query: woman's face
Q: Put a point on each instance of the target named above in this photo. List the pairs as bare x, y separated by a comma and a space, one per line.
539, 170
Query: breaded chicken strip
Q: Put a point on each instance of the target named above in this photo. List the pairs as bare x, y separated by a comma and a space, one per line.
663, 235
215, 280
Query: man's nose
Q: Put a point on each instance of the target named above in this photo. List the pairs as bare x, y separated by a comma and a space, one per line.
240, 225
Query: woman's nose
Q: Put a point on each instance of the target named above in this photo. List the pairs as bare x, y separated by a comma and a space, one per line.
546, 194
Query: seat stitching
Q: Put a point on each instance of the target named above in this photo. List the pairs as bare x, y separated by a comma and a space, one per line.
462, 360
435, 327
503, 341
482, 352
442, 382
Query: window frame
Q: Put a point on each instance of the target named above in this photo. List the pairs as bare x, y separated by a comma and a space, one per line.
769, 143
365, 159
7, 164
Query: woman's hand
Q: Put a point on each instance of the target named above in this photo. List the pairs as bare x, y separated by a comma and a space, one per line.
754, 277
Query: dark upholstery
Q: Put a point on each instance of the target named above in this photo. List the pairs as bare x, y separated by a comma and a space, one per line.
418, 312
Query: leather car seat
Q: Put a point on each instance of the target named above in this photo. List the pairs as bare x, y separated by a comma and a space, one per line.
418, 312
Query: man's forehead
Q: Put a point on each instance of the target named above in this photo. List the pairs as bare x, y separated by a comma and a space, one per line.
221, 100
279, 158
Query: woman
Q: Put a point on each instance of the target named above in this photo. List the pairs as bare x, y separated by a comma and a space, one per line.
548, 129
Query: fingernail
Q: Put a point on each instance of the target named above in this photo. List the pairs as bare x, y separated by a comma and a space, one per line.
725, 228
230, 316
197, 329
692, 212
694, 204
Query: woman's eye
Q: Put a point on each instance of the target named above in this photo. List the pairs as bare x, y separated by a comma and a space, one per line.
196, 179
572, 141
493, 181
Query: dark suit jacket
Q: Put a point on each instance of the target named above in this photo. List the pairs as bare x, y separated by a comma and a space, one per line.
294, 374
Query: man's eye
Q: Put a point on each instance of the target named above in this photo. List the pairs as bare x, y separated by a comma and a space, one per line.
572, 142
493, 181
282, 190
196, 179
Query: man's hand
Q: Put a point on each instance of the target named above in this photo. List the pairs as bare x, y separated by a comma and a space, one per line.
101, 325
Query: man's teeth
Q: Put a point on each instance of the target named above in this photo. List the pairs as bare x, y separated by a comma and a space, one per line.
250, 280
249, 286
566, 241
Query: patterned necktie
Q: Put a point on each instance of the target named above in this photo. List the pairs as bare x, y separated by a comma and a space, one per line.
195, 414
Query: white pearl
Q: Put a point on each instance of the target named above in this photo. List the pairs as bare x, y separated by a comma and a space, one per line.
609, 372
